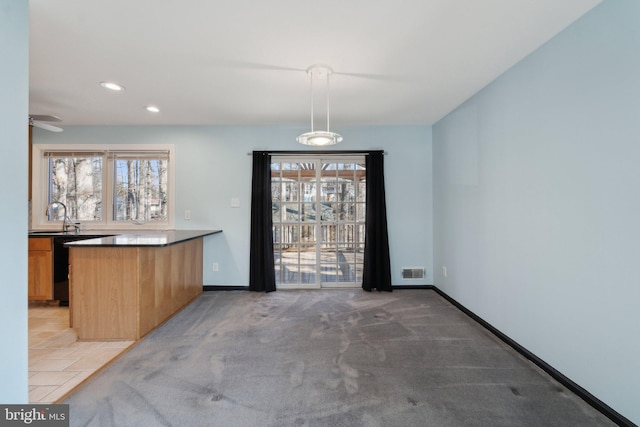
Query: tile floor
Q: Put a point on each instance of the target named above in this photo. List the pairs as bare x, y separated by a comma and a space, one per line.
58, 362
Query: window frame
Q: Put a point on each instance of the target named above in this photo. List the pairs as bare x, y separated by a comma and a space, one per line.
40, 170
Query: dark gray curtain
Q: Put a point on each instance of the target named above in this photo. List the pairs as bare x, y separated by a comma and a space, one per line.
377, 266
262, 276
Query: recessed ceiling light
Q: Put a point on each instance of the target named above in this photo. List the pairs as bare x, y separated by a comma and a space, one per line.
152, 109
112, 86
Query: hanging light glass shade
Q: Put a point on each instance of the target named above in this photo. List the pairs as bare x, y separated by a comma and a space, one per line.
318, 137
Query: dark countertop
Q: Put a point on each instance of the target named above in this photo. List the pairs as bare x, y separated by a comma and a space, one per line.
129, 238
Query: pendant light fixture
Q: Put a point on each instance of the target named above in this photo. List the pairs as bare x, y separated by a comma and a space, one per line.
316, 137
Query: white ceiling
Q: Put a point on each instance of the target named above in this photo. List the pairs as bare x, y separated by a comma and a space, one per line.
243, 62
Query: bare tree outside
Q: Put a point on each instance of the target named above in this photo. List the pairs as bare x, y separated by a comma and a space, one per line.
76, 182
140, 190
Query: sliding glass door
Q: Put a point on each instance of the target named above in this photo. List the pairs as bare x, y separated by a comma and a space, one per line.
318, 207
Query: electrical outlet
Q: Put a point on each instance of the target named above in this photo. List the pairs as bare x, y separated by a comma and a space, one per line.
214, 267
444, 271
235, 202
187, 215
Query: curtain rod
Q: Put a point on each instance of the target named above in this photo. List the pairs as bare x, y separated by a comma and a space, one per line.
322, 153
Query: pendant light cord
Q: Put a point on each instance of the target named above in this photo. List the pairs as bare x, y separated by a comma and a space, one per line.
328, 129
311, 76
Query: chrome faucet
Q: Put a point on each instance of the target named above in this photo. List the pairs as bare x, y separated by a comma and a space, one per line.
65, 219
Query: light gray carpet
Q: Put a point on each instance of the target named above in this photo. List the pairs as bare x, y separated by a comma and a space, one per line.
325, 358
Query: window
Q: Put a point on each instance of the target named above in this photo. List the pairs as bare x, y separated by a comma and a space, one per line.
74, 179
140, 186
114, 187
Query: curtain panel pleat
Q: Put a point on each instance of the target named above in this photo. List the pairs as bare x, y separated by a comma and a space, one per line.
262, 276
377, 265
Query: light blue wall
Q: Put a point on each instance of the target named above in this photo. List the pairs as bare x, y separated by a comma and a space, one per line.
537, 203
14, 98
212, 167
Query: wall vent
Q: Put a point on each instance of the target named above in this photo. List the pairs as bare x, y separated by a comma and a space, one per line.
413, 273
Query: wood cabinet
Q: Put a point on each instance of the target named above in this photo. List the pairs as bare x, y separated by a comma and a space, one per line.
122, 293
40, 268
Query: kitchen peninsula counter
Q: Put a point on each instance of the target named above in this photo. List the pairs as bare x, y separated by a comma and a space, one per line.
143, 238
123, 286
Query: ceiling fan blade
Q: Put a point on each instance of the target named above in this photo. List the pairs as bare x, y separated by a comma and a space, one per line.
47, 127
247, 65
45, 118
380, 77
251, 65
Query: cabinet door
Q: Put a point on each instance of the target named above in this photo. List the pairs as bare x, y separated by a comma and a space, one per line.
40, 275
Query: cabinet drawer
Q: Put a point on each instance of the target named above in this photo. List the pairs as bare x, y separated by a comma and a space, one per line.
40, 243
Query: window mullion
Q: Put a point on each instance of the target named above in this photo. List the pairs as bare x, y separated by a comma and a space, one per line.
319, 235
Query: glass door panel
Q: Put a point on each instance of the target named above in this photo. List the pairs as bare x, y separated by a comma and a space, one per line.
318, 208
